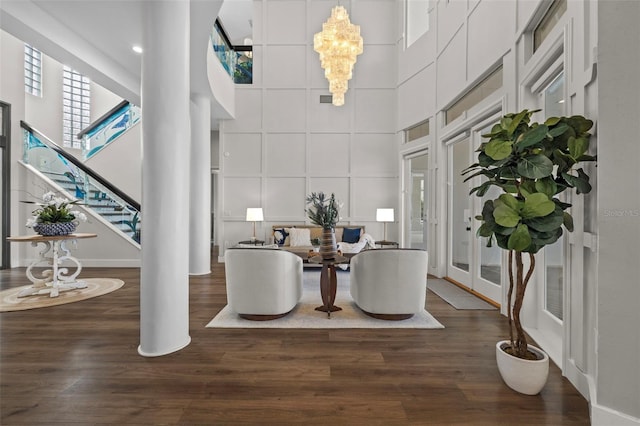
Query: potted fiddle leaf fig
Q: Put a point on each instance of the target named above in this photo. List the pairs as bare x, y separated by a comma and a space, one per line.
532, 164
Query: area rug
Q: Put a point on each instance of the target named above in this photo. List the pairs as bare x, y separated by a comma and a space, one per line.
457, 297
9, 300
304, 314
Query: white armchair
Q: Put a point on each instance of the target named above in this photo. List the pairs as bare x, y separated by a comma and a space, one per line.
389, 284
262, 284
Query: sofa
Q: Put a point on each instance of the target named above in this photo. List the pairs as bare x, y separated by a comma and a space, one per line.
262, 284
297, 238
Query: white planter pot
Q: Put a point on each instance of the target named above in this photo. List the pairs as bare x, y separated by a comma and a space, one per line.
522, 375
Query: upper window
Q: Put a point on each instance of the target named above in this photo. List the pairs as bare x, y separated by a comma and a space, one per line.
76, 106
474, 96
416, 132
416, 19
32, 70
548, 22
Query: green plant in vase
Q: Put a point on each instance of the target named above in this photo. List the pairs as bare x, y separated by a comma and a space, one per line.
323, 211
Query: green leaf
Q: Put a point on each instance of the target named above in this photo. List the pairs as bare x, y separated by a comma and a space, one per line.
578, 146
580, 182
547, 223
498, 149
532, 137
509, 200
516, 121
580, 123
485, 230
567, 220
535, 166
520, 239
546, 186
537, 205
552, 121
504, 215
558, 130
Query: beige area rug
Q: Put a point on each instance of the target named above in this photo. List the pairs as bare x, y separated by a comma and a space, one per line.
304, 314
9, 300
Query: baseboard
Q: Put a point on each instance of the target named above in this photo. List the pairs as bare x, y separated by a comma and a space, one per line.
603, 416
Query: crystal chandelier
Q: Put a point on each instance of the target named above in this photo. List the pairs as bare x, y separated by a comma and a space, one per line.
338, 44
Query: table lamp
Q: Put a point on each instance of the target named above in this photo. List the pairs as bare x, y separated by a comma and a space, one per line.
384, 215
254, 214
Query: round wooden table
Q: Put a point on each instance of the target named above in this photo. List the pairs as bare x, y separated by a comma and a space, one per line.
53, 280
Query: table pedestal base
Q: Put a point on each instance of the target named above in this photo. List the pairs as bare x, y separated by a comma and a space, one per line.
53, 290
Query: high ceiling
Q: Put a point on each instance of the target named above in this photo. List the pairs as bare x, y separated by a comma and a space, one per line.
96, 36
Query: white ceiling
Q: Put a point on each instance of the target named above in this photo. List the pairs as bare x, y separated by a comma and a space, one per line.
96, 36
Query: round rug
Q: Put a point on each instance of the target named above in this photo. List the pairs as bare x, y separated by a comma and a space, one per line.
9, 300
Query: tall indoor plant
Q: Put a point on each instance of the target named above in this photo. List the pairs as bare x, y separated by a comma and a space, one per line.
532, 164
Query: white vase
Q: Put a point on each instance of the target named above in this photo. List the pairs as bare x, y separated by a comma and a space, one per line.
522, 375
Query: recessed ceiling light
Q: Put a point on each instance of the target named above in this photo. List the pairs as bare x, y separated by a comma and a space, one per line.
137, 49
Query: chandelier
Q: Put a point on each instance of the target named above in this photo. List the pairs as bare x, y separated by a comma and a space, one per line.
338, 44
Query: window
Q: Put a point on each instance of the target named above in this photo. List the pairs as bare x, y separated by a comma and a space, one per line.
76, 106
416, 132
481, 90
32, 71
416, 19
548, 22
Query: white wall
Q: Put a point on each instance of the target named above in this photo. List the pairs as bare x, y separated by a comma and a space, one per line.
284, 144
618, 295
469, 39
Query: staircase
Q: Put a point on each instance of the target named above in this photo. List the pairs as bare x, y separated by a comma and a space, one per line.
82, 183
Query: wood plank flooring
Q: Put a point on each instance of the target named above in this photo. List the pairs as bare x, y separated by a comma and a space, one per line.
77, 364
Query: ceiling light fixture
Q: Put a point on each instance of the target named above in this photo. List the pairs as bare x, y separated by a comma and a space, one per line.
338, 44
136, 49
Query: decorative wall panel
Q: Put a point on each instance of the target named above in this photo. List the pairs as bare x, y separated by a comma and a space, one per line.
283, 24
284, 198
371, 153
373, 112
248, 112
240, 193
285, 110
242, 154
285, 66
329, 154
285, 154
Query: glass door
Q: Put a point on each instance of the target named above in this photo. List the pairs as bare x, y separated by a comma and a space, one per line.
470, 262
418, 202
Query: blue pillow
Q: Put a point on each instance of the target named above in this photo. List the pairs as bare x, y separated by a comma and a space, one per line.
351, 235
279, 236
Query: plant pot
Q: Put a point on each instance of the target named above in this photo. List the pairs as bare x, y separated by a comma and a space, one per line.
328, 246
52, 229
525, 376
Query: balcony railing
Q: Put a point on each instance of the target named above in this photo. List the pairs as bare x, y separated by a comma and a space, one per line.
236, 60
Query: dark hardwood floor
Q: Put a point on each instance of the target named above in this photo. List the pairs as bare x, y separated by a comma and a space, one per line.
77, 364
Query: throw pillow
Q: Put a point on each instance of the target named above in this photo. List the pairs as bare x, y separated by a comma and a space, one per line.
351, 235
299, 237
280, 236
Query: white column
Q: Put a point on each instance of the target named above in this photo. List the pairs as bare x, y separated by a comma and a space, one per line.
164, 282
200, 187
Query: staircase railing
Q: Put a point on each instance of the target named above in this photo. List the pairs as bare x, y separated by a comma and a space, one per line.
96, 192
108, 128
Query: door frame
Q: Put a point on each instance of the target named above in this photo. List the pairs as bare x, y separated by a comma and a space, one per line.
5, 196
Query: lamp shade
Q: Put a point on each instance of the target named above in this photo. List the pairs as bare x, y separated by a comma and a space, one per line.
384, 215
254, 214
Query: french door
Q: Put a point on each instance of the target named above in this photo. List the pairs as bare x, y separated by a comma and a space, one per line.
417, 202
5, 175
469, 261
